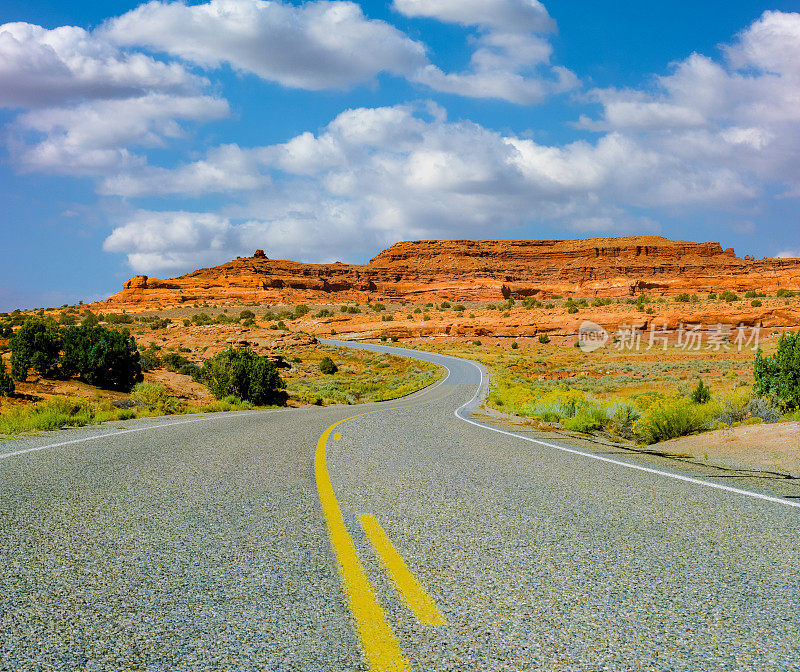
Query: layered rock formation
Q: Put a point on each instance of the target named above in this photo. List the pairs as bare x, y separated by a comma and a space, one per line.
462, 270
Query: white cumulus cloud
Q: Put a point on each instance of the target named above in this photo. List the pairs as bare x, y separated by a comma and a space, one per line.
315, 45
40, 67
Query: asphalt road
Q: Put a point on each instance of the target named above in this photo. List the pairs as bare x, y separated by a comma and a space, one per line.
205, 543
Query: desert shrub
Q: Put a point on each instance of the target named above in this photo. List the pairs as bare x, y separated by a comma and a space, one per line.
755, 303
172, 361
514, 345
701, 394
476, 343
785, 294
36, 345
733, 407
118, 318
683, 298
378, 307
325, 313
247, 315
189, 369
301, 310
445, 304
728, 296
621, 418
327, 366
202, 319
160, 323
103, 357
670, 419
148, 394
778, 376
544, 338
244, 374
6, 382
395, 339
459, 308
762, 408
587, 420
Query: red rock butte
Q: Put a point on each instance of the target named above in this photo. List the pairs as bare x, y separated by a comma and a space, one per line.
464, 270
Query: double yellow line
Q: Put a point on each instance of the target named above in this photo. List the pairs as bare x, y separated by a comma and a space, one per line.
381, 648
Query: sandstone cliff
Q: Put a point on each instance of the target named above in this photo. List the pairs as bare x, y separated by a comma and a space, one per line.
463, 270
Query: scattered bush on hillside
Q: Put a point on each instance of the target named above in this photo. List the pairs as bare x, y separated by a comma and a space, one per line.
118, 318
172, 361
327, 365
544, 339
6, 382
244, 374
36, 345
701, 394
103, 357
778, 376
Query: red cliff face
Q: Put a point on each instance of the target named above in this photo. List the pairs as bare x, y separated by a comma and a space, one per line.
477, 270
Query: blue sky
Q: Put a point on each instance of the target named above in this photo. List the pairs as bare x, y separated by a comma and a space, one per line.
164, 137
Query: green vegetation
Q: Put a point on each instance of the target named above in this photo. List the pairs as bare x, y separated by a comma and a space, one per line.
102, 357
6, 382
778, 377
242, 373
702, 393
671, 418
99, 356
544, 339
327, 366
360, 377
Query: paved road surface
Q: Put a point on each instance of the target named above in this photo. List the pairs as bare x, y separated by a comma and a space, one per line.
203, 546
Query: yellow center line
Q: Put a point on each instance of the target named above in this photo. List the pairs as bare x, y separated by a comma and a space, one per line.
420, 603
381, 649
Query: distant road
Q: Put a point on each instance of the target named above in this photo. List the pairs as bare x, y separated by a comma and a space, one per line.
216, 543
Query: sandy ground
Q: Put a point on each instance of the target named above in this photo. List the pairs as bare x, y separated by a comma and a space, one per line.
774, 447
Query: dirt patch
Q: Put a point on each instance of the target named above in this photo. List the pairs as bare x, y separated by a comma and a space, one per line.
773, 447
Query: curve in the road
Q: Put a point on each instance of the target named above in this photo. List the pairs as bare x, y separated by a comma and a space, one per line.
462, 414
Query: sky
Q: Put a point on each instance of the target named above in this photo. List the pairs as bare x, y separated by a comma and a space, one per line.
162, 137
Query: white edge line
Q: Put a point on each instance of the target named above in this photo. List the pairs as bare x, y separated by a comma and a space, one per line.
583, 453
130, 431
603, 458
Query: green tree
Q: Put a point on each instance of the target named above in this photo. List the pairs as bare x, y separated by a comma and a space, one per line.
103, 357
701, 394
6, 382
244, 374
327, 365
778, 376
36, 345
